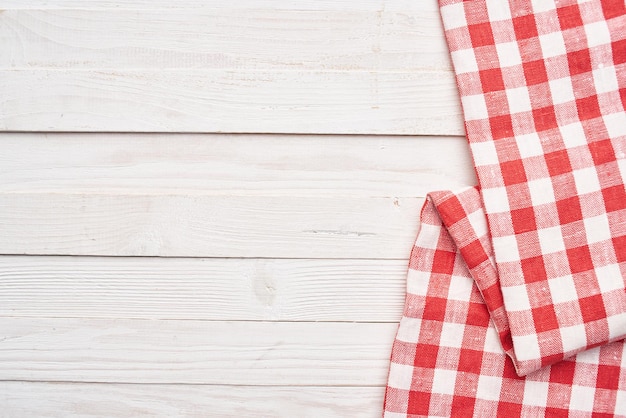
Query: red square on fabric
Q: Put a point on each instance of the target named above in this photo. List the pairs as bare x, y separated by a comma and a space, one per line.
474, 254
619, 243
534, 269
434, 308
569, 210
513, 172
579, 62
614, 198
419, 403
462, 406
588, 108
523, 220
470, 361
602, 152
491, 80
608, 377
558, 162
544, 318
545, 118
525, 27
443, 262
508, 409
563, 372
426, 355
535, 72
569, 17
619, 51
501, 126
451, 211
481, 34
613, 8
478, 315
579, 259
592, 308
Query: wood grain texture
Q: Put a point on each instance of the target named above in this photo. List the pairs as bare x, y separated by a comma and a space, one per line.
244, 165
84, 400
195, 352
205, 289
246, 101
207, 226
221, 35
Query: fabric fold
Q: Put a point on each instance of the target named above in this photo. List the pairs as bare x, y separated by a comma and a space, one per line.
453, 354
516, 295
542, 86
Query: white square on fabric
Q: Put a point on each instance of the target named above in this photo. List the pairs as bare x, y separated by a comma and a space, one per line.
492, 341
551, 240
508, 54
582, 398
586, 180
474, 107
543, 5
496, 200
489, 387
484, 153
417, 282
516, 299
617, 325
410, 330
620, 403
605, 79
529, 145
478, 220
573, 337
460, 288
453, 16
562, 289
518, 99
428, 236
597, 228
400, 376
498, 10
615, 124
444, 381
526, 348
541, 191
561, 90
506, 249
552, 44
609, 278
452, 335
597, 33
573, 135
591, 356
535, 393
464, 61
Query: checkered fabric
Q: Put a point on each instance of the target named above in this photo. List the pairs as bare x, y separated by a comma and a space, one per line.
452, 356
516, 299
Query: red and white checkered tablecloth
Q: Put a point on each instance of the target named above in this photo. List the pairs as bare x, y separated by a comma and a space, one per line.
516, 300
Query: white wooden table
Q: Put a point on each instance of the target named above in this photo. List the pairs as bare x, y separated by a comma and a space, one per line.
207, 207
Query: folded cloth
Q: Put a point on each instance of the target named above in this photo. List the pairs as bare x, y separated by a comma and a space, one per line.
516, 299
453, 355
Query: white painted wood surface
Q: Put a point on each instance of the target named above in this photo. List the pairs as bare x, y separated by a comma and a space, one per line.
193, 270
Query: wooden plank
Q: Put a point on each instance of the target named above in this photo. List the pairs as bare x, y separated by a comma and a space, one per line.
245, 101
207, 226
221, 35
206, 289
83, 400
196, 352
277, 165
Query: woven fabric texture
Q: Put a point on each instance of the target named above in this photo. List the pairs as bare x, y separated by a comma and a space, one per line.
516, 300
